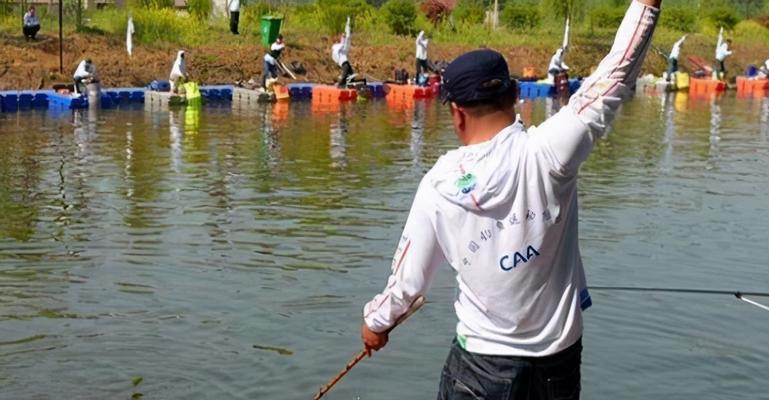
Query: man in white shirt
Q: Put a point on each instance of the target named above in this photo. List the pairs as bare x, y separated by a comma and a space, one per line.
675, 52
502, 211
422, 66
723, 50
84, 74
178, 72
234, 7
31, 24
557, 65
339, 52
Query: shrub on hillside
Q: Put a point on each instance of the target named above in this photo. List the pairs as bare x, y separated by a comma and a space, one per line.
200, 9
400, 16
470, 12
724, 17
607, 17
151, 3
334, 13
683, 19
521, 16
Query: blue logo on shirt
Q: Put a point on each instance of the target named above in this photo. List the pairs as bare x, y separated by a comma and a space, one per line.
508, 263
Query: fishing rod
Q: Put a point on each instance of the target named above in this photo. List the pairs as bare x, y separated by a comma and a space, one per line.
738, 294
415, 306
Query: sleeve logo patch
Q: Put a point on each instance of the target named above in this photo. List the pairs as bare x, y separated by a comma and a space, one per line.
466, 183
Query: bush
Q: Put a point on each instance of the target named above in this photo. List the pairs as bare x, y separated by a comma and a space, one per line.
134, 4
334, 13
400, 16
682, 19
200, 9
607, 17
470, 12
724, 17
521, 16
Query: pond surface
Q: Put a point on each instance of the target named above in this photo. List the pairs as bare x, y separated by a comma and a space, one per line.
227, 254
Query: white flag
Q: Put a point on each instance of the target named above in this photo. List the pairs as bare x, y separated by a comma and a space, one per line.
129, 36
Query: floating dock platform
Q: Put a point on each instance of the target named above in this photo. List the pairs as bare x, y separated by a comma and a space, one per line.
699, 86
536, 89
747, 87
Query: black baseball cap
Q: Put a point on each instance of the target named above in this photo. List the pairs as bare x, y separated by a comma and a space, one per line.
475, 77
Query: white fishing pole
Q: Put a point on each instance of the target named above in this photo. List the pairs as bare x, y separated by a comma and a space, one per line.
749, 301
739, 295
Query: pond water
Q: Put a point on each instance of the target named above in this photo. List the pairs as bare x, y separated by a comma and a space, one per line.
227, 253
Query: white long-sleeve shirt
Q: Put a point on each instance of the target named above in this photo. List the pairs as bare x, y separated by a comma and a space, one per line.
180, 68
234, 5
675, 52
722, 48
422, 43
556, 62
84, 70
340, 49
503, 214
31, 19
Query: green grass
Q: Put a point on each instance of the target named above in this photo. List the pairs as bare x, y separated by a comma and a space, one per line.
167, 26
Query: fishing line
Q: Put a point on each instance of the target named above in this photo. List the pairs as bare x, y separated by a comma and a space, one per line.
738, 294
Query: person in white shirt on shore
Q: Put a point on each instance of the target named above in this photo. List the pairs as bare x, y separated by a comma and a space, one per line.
557, 65
84, 74
31, 24
421, 54
723, 50
178, 72
339, 52
502, 211
675, 53
234, 7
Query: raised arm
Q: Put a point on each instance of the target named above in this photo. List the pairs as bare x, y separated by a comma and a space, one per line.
568, 136
347, 33
720, 37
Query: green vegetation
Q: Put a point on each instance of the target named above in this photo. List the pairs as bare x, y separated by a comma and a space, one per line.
522, 22
400, 16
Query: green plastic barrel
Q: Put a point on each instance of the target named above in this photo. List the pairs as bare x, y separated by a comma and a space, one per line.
270, 29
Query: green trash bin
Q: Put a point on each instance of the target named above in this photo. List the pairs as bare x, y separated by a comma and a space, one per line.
270, 29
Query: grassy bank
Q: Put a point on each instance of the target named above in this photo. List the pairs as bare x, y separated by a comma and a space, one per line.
216, 56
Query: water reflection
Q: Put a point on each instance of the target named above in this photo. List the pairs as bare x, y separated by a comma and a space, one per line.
417, 132
338, 140
715, 129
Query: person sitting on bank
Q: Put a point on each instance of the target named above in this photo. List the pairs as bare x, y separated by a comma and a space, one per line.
84, 74
234, 7
422, 65
557, 66
339, 52
675, 52
723, 50
31, 24
178, 72
502, 211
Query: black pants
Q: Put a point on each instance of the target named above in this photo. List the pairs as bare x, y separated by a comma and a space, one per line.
234, 20
346, 72
80, 87
672, 68
31, 31
474, 376
422, 67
